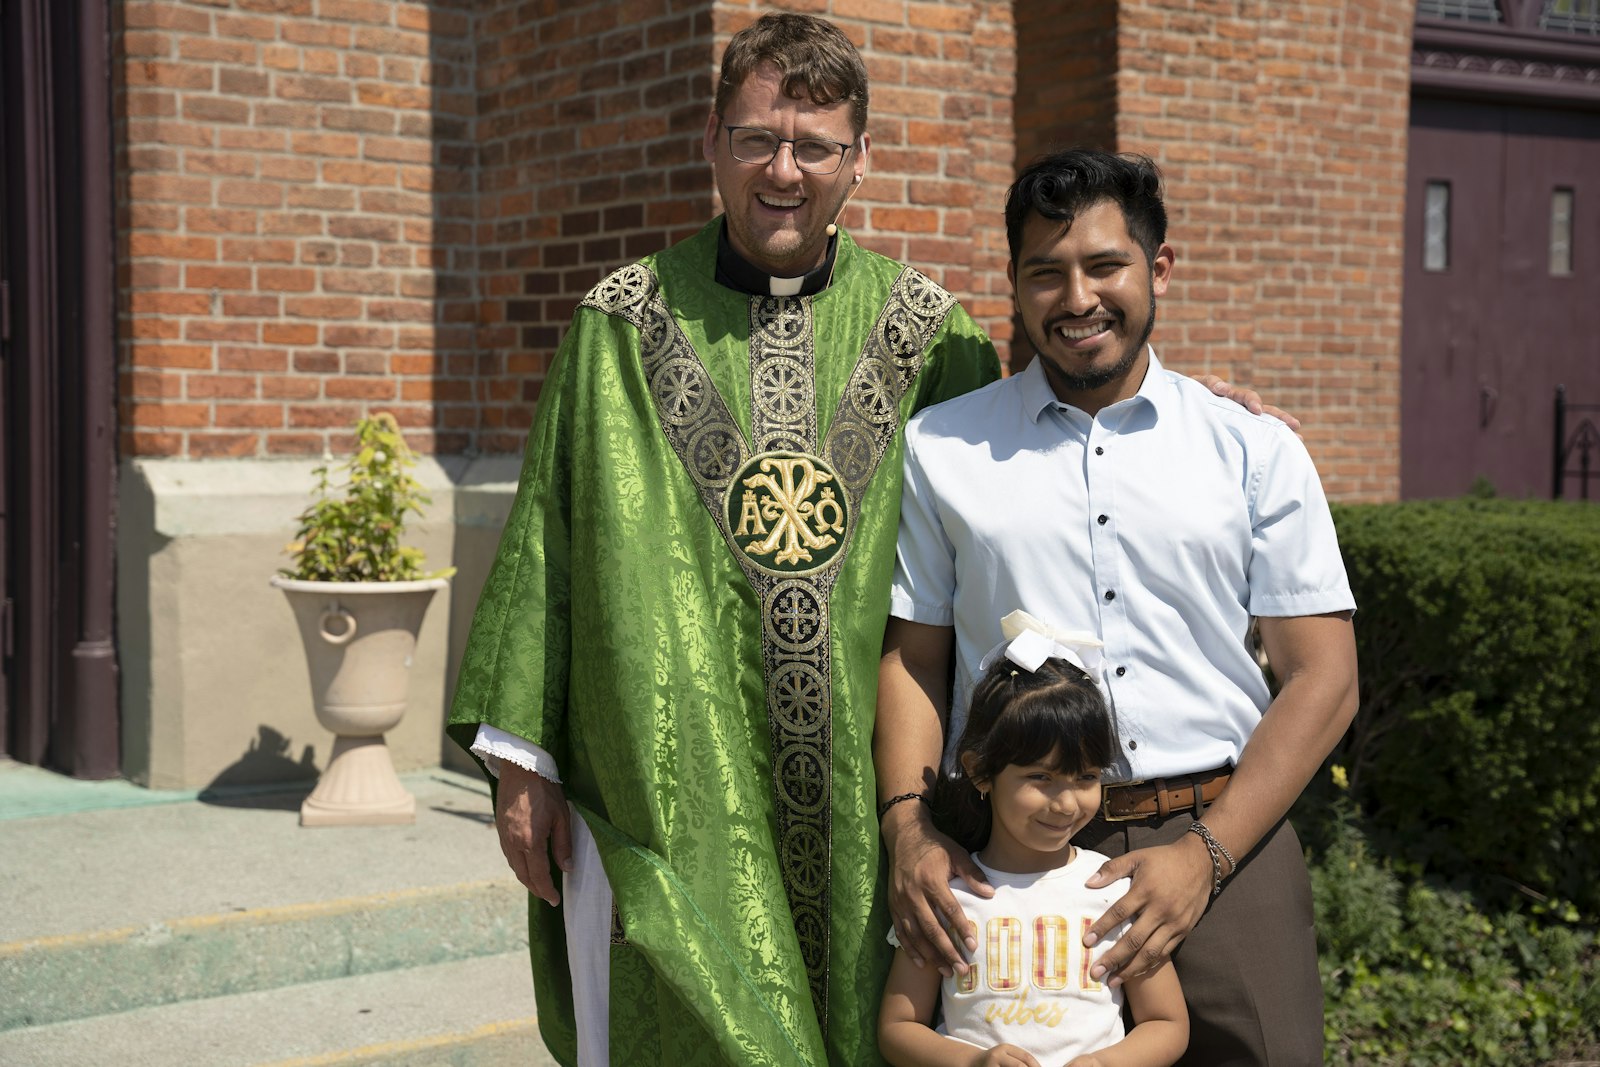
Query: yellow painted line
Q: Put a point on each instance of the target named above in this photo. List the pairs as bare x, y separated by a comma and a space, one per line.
420, 1044
257, 916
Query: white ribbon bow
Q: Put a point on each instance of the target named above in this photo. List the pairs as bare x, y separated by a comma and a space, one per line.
1030, 642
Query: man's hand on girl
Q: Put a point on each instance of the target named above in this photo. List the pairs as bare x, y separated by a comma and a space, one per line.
1170, 891
921, 863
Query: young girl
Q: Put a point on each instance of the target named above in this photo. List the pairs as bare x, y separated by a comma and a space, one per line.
1036, 738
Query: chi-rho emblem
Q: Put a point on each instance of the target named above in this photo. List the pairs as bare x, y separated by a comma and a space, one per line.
787, 513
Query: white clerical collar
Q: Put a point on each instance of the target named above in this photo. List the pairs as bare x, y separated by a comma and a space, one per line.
736, 272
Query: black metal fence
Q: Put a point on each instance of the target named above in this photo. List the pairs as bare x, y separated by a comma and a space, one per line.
1583, 441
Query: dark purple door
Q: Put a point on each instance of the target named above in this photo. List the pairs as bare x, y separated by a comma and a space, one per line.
1502, 291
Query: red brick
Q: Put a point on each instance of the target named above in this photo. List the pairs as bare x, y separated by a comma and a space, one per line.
223, 445
262, 360
220, 330
262, 416
255, 250
286, 279
291, 388
170, 415
216, 277
213, 386
359, 389
252, 194
166, 303
251, 306
169, 246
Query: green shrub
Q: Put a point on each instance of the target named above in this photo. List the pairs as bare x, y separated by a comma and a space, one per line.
1477, 747
355, 537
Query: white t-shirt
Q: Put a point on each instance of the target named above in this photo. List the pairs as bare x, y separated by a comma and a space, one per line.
1029, 985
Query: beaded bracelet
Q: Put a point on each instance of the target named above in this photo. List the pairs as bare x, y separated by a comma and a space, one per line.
1217, 851
883, 809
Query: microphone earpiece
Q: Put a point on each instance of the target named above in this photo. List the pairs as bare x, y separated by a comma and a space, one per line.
831, 229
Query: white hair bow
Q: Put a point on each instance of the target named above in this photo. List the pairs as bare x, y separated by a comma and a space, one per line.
1030, 642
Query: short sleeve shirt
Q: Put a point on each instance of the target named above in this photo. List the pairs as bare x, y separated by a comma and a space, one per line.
1164, 523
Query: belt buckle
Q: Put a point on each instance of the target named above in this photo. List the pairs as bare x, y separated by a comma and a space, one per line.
1105, 804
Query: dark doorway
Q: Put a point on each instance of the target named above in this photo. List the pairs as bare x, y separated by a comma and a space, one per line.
57, 374
1502, 291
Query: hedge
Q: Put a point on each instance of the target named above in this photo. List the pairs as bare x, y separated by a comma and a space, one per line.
1477, 746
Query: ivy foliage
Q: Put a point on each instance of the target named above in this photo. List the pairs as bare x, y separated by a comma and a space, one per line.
1415, 974
354, 536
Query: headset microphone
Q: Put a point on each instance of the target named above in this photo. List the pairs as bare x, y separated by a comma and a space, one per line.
832, 227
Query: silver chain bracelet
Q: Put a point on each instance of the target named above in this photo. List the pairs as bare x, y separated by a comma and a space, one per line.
1217, 851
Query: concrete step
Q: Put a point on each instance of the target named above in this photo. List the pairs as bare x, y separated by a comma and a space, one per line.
465, 1013
198, 929
73, 976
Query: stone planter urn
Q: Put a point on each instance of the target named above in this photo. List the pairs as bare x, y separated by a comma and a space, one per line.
359, 640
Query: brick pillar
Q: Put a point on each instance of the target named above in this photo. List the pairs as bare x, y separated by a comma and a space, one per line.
590, 116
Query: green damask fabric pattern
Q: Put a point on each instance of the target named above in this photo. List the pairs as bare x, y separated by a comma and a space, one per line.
617, 631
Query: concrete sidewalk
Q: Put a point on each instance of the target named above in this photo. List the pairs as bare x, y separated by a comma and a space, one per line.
156, 928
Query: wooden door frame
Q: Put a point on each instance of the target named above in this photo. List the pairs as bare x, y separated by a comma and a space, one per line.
60, 364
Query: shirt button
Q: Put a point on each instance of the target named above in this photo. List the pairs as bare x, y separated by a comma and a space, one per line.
1099, 451
1133, 744
1111, 594
1121, 671
1101, 520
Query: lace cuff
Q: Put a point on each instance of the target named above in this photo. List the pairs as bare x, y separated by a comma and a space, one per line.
492, 746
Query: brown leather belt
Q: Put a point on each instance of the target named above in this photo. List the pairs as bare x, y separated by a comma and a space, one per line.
1160, 797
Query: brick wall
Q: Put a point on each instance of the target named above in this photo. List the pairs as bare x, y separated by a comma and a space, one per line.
1281, 129
295, 198
329, 206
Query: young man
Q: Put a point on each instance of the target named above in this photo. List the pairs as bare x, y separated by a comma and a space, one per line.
1096, 489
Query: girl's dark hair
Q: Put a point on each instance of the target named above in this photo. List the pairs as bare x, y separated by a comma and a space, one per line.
1022, 717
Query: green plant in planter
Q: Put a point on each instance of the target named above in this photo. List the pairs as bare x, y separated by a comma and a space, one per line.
356, 537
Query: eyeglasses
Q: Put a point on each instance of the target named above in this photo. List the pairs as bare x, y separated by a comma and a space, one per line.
814, 155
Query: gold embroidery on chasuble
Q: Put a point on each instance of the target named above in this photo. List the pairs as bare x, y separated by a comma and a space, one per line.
786, 508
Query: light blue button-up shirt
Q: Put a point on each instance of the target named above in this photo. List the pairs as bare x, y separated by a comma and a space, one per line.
1164, 523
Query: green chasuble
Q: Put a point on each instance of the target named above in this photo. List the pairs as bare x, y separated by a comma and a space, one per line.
687, 611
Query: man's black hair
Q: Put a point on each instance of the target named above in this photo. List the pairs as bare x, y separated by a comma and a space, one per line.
1062, 185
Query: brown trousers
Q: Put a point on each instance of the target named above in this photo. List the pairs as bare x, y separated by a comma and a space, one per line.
1249, 969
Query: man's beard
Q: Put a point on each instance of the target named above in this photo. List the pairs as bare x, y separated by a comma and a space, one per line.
1089, 381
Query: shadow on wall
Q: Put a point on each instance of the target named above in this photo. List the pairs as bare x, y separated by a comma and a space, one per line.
266, 776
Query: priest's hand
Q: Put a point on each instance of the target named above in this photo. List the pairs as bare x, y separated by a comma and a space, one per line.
1248, 399
531, 815
925, 912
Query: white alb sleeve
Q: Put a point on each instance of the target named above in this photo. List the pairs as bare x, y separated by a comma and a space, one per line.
492, 746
